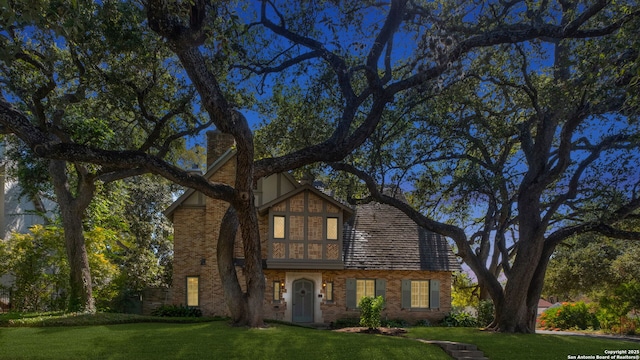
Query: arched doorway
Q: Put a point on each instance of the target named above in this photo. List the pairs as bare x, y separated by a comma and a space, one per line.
303, 297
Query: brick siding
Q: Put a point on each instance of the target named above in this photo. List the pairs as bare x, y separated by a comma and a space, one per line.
195, 238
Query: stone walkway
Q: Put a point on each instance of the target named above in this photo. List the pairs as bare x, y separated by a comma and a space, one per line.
458, 351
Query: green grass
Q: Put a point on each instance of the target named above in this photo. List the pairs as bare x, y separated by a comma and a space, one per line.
212, 340
81, 319
498, 346
120, 336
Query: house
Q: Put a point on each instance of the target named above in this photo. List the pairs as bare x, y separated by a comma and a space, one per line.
320, 256
543, 305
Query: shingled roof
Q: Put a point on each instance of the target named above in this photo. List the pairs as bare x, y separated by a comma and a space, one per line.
381, 237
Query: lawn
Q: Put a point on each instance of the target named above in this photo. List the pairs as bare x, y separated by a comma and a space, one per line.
41, 337
212, 340
498, 346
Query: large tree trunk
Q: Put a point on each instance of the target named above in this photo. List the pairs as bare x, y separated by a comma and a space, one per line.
517, 313
233, 296
253, 265
248, 217
245, 308
72, 211
515, 316
80, 295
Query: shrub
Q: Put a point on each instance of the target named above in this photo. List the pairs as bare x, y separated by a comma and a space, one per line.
370, 309
177, 311
345, 323
485, 313
615, 309
423, 323
460, 319
394, 323
569, 316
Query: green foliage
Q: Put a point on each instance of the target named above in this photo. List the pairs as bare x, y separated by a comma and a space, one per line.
591, 265
423, 323
149, 253
394, 323
370, 309
569, 316
486, 312
177, 311
619, 311
464, 292
345, 323
38, 261
459, 319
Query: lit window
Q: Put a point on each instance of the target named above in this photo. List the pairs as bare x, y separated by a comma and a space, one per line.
278, 227
192, 291
277, 291
328, 291
420, 294
332, 228
365, 288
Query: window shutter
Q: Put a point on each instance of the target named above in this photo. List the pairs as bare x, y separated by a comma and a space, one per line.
351, 294
381, 288
406, 294
434, 296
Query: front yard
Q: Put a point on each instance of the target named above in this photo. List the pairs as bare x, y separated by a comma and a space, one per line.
216, 340
212, 340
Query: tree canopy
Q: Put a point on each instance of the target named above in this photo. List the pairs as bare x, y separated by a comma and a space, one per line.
91, 75
591, 265
363, 68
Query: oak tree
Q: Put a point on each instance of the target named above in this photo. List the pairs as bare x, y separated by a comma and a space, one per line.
362, 57
91, 75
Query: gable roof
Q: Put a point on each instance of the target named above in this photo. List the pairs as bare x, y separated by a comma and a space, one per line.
381, 237
264, 208
213, 168
542, 303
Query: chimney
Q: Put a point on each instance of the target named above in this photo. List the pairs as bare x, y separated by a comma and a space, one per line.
217, 144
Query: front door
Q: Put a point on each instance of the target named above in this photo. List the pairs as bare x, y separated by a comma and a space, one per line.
303, 301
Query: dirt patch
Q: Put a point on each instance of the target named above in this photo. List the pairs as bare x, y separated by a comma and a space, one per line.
378, 331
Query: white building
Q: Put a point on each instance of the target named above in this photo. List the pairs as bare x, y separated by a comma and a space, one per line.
17, 213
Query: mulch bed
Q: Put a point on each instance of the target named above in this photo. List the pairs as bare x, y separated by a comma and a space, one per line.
378, 331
